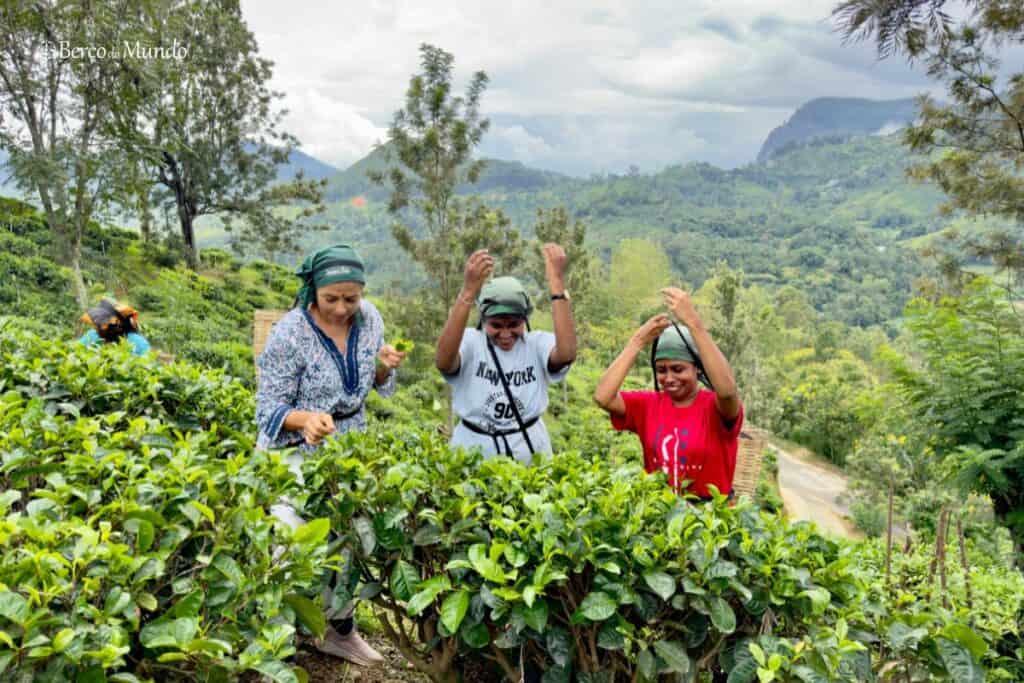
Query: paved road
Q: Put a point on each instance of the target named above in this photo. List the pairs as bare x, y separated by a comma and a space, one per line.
811, 492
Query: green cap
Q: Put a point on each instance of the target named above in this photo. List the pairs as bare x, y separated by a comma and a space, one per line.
672, 347
337, 263
504, 296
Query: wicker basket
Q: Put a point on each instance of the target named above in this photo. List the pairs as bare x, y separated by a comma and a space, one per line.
262, 321
748, 461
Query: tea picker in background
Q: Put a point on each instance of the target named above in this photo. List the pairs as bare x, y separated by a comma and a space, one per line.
500, 371
112, 322
320, 363
686, 431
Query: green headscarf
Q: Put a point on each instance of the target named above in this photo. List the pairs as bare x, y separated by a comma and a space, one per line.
672, 347
337, 263
504, 296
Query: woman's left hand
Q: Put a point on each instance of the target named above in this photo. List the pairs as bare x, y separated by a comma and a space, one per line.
391, 358
681, 305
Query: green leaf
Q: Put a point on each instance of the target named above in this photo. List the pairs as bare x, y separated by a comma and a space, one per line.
144, 536
476, 636
313, 532
453, 610
675, 656
968, 638
722, 615
63, 639
188, 606
536, 615
902, 637
171, 633
647, 665
308, 613
484, 565
276, 670
203, 510
404, 580
960, 665
227, 566
14, 607
364, 529
819, 597
598, 606
663, 585
147, 601
429, 590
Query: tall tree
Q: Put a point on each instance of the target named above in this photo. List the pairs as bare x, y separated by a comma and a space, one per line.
429, 154
554, 225
202, 116
56, 75
973, 146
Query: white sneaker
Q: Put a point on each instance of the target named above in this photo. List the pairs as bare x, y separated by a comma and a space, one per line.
351, 648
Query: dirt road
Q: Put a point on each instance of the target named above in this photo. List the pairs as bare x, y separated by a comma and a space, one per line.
811, 492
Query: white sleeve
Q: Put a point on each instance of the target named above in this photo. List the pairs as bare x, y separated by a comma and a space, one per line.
543, 343
467, 356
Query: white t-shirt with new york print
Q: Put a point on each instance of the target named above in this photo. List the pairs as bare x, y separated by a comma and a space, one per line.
479, 397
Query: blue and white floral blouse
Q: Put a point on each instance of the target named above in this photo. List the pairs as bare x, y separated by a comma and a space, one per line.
302, 369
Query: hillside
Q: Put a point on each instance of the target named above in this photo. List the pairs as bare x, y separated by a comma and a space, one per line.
838, 117
836, 218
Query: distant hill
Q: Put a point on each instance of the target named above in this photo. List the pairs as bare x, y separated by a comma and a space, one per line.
312, 168
839, 117
498, 176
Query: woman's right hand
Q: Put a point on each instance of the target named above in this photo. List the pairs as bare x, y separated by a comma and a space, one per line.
317, 426
479, 266
651, 330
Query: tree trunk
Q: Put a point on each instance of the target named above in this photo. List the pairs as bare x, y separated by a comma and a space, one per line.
77, 281
888, 539
145, 217
188, 236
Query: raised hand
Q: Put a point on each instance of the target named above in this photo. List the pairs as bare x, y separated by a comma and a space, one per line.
479, 267
651, 330
555, 261
681, 305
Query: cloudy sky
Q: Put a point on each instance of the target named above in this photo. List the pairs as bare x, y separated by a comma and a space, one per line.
577, 86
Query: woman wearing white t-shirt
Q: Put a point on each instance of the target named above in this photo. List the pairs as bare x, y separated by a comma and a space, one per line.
500, 373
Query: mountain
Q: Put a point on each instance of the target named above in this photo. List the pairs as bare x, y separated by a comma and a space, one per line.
839, 117
312, 168
498, 176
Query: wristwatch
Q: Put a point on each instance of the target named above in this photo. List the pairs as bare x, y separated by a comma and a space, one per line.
564, 295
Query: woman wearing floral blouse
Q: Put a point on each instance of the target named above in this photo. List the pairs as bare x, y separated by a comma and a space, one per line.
320, 362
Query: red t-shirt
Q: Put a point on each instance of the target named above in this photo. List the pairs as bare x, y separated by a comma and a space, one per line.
691, 442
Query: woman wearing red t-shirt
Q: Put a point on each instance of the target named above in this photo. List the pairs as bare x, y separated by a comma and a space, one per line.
687, 432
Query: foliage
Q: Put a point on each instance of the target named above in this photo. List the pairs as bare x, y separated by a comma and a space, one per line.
428, 155
819, 402
136, 542
964, 384
971, 145
54, 108
595, 569
204, 127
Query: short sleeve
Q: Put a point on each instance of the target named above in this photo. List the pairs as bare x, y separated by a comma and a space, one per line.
730, 433
139, 344
90, 338
280, 368
636, 411
467, 355
543, 343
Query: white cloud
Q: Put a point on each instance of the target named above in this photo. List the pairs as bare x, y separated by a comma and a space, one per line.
329, 129
576, 85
